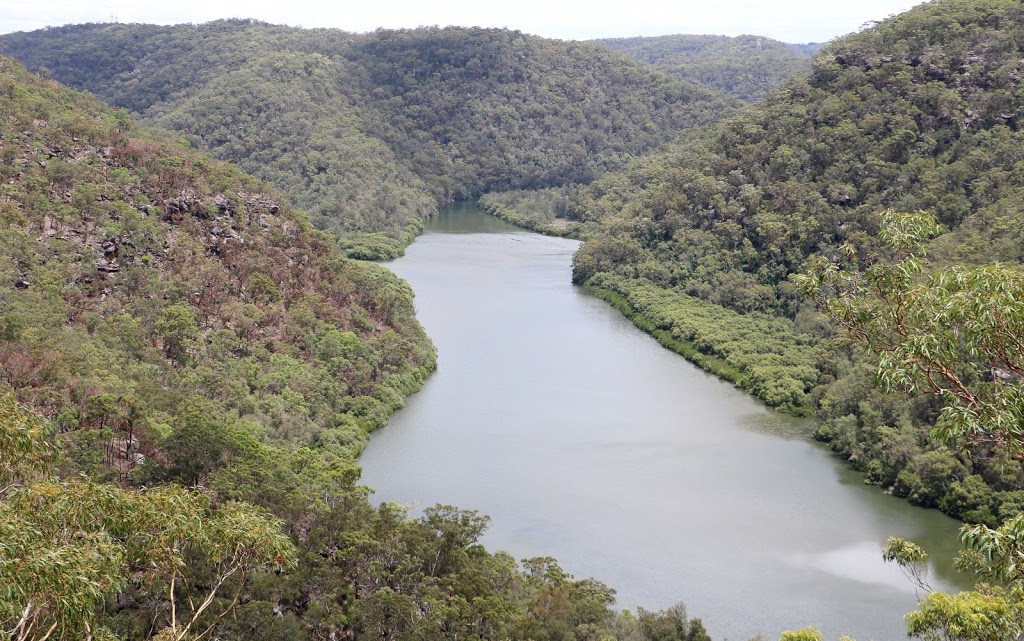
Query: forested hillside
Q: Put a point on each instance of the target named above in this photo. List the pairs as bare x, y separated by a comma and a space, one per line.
160, 272
747, 67
371, 132
920, 112
187, 371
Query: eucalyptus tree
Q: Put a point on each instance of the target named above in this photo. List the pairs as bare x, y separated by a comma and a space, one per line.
957, 334
69, 546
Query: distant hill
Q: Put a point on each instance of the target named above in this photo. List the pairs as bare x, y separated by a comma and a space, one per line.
747, 67
370, 132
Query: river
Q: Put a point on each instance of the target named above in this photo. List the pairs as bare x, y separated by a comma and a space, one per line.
585, 440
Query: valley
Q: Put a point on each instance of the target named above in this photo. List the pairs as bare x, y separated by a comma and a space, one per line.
205, 374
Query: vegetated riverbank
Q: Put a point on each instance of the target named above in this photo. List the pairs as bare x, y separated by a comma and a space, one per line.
805, 373
712, 364
759, 353
899, 116
539, 210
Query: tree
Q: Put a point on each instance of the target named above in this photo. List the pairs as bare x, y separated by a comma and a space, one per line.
178, 329
26, 452
968, 616
957, 333
50, 580
65, 546
202, 442
671, 624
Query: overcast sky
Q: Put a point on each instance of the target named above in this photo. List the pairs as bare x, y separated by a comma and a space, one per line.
788, 20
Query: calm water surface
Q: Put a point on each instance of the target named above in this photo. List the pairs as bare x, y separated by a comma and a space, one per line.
585, 440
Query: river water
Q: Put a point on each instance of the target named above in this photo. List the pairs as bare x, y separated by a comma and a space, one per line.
585, 440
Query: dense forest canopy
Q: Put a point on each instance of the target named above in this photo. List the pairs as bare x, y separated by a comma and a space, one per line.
919, 112
747, 67
370, 132
187, 372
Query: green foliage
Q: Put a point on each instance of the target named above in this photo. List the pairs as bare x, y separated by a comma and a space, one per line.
671, 624
759, 353
995, 554
178, 330
995, 609
747, 67
954, 333
375, 246
911, 559
199, 286
730, 212
542, 210
803, 634
940, 332
951, 334
22, 440
67, 546
928, 477
968, 616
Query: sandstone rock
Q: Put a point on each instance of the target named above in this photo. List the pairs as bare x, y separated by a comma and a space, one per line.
108, 266
109, 250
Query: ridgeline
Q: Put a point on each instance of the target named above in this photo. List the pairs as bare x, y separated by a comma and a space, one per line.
370, 133
746, 67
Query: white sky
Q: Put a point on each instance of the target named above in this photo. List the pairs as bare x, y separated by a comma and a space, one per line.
787, 20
